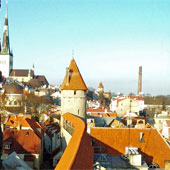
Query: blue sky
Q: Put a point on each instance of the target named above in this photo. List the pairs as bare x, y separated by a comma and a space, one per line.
110, 39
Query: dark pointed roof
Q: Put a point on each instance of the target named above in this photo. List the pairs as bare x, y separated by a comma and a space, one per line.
5, 43
34, 83
42, 79
75, 81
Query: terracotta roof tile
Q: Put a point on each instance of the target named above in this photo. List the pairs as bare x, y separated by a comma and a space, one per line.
137, 97
33, 124
76, 81
42, 79
168, 123
101, 85
15, 120
98, 110
114, 140
21, 73
21, 141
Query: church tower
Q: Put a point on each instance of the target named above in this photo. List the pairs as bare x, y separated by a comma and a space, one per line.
6, 56
73, 92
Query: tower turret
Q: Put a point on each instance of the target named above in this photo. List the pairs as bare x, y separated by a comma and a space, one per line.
100, 88
73, 92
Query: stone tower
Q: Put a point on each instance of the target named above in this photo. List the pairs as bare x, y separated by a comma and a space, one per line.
140, 80
100, 88
6, 56
73, 92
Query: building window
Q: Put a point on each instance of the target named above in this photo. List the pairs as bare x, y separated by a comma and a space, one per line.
97, 149
74, 92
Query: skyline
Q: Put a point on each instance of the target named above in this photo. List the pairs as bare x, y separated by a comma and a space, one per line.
110, 39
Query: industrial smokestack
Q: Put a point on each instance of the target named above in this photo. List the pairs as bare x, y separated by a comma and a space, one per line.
140, 80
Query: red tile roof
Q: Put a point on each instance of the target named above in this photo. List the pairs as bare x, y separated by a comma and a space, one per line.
101, 85
168, 123
33, 124
15, 120
22, 141
114, 140
98, 110
137, 97
21, 73
76, 81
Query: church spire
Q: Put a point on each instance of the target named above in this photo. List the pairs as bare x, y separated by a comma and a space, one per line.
5, 44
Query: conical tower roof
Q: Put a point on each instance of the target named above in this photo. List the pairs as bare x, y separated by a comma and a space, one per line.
73, 79
101, 85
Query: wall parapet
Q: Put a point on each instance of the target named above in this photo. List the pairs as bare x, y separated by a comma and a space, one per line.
79, 152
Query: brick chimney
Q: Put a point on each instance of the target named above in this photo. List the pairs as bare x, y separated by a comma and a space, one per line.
140, 80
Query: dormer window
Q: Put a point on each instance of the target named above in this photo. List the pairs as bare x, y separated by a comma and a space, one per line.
7, 145
27, 133
141, 138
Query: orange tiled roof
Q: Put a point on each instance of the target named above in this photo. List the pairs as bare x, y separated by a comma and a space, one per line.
76, 81
109, 114
101, 85
21, 141
98, 110
24, 123
114, 140
12, 122
33, 124
168, 123
79, 152
136, 97
15, 120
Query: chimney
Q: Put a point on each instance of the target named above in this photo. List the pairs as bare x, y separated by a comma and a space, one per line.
140, 80
67, 76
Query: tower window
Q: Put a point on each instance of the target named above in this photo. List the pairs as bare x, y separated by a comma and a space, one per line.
74, 92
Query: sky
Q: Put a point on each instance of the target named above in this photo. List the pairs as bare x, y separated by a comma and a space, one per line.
110, 40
